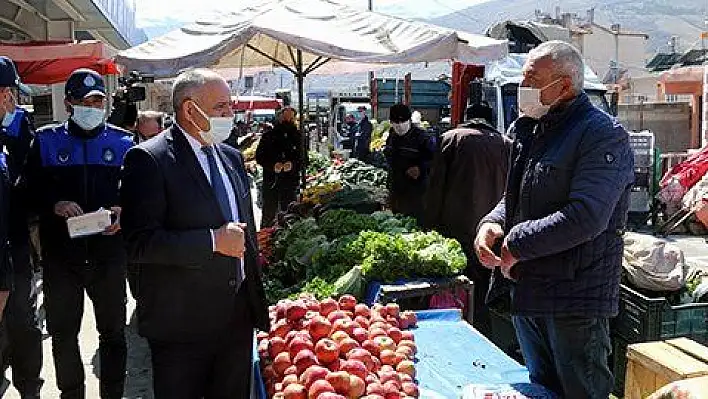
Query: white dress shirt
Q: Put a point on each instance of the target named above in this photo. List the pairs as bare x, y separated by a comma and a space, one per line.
230, 191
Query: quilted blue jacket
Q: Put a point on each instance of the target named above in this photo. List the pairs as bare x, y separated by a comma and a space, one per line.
565, 210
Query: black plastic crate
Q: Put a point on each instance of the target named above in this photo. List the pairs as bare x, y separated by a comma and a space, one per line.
642, 318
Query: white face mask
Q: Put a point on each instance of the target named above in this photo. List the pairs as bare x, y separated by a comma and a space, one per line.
530, 101
401, 128
88, 118
219, 130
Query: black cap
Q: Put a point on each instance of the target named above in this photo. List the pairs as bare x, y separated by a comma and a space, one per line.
9, 76
480, 111
399, 113
84, 83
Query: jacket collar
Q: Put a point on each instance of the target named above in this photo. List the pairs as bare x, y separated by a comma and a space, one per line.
559, 116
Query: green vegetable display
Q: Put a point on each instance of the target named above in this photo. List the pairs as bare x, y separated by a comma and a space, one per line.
317, 162
354, 173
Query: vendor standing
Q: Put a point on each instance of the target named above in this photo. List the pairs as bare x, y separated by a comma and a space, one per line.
74, 168
467, 180
280, 154
409, 152
560, 224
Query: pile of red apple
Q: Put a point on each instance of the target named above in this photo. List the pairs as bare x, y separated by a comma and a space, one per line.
338, 350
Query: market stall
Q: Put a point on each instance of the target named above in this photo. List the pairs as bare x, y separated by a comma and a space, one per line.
53, 62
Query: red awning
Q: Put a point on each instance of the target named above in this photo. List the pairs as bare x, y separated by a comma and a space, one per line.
53, 62
245, 103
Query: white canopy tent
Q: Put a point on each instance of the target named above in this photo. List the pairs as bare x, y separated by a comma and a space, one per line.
301, 36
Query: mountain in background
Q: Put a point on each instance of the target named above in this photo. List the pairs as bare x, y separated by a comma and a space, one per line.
660, 19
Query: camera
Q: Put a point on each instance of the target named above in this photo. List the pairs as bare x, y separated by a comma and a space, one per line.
125, 111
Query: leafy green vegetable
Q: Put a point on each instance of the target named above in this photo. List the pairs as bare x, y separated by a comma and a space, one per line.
286, 236
333, 259
317, 162
341, 222
352, 282
317, 287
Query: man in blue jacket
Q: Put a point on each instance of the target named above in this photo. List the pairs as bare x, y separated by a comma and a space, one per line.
24, 352
560, 225
72, 169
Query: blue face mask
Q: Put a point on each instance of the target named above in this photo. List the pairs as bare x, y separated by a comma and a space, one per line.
9, 117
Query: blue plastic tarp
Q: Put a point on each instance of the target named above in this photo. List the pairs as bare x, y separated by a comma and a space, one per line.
452, 355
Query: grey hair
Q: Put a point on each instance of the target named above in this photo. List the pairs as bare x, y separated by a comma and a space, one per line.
566, 58
190, 81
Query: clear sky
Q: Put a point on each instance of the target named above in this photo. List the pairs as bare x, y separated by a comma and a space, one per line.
158, 16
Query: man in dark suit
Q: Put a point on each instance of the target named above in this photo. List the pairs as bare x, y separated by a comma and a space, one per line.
188, 221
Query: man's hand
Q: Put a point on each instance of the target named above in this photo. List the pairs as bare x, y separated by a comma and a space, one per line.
278, 167
115, 227
67, 209
508, 261
488, 234
413, 172
230, 240
287, 166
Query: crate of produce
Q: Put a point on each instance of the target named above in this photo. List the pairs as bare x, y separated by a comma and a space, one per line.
652, 365
416, 294
642, 318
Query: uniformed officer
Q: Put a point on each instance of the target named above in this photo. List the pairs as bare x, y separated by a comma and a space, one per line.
73, 169
24, 353
409, 152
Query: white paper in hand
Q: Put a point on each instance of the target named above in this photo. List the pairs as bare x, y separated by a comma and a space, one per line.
89, 223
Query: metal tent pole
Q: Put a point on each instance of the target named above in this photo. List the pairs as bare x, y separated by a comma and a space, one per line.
301, 108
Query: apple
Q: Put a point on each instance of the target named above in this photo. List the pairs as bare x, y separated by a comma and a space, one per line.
392, 309
269, 373
405, 351
410, 317
403, 324
263, 350
313, 305
339, 381
339, 336
376, 332
377, 364
278, 395
346, 345
295, 391
375, 388
343, 325
363, 356
334, 365
379, 308
399, 357
409, 344
328, 306
299, 344
360, 334
281, 363
372, 378
410, 389
373, 396
304, 359
406, 367
280, 329
392, 322
407, 336
395, 334
379, 324
319, 387
290, 379
388, 357
391, 387
261, 335
330, 395
319, 328
291, 370
362, 322
362, 310
312, 374
295, 311
371, 347
354, 367
278, 387
281, 307
326, 351
336, 315
385, 343
386, 369
357, 387
347, 302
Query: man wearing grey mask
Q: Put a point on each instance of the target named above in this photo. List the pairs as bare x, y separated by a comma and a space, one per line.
409, 152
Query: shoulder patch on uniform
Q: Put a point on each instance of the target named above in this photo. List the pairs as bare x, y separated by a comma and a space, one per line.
108, 155
609, 157
63, 155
